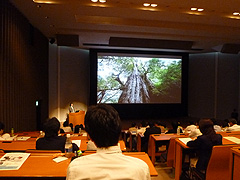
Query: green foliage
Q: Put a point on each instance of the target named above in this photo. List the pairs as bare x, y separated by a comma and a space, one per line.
162, 77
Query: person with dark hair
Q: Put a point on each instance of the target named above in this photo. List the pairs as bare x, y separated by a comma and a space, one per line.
175, 125
2, 126
103, 126
66, 127
3, 136
216, 126
204, 143
51, 140
192, 129
151, 130
233, 125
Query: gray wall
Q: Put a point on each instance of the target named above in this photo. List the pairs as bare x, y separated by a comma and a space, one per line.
68, 80
213, 85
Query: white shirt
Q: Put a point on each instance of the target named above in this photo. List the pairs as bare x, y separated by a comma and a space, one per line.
67, 129
234, 127
217, 128
189, 129
108, 164
195, 133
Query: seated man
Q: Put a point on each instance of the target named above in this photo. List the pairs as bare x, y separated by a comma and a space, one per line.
233, 125
103, 125
51, 140
3, 136
151, 130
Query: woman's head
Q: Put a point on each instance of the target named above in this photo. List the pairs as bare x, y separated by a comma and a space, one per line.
206, 126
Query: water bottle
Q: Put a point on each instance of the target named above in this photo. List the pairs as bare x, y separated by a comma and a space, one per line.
12, 132
68, 147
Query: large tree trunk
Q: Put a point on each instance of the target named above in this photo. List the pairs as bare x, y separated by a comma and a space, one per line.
135, 89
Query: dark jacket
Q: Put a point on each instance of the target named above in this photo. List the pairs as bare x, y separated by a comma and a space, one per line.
148, 132
204, 146
53, 143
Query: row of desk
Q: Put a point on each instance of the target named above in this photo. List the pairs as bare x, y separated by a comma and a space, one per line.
43, 167
176, 148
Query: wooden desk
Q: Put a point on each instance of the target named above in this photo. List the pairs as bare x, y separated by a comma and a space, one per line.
31, 144
17, 145
38, 167
77, 118
159, 137
234, 163
179, 151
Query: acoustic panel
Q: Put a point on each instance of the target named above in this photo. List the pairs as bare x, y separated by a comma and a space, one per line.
150, 43
67, 40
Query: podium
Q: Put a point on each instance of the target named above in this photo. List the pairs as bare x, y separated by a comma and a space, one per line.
77, 118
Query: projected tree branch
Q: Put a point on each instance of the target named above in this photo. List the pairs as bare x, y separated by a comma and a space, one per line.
138, 80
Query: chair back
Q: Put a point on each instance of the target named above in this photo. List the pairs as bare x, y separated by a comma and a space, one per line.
218, 166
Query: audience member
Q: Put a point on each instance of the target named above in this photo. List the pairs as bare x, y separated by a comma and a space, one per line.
233, 125
204, 143
133, 130
216, 126
66, 126
142, 128
3, 136
103, 125
191, 127
160, 125
151, 130
192, 130
225, 124
174, 128
51, 140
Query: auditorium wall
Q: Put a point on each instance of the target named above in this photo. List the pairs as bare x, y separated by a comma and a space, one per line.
68, 80
23, 71
213, 85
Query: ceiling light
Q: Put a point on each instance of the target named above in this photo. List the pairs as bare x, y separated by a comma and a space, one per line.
200, 9
102, 1
146, 4
193, 9
43, 1
94, 0
154, 5
236, 13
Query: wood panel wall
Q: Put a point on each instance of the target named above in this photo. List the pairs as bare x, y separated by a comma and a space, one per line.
23, 71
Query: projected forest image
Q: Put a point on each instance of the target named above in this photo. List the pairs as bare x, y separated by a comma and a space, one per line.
138, 80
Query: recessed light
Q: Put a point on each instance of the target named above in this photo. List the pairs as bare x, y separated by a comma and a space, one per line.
193, 9
94, 0
236, 13
102, 1
146, 4
200, 9
154, 5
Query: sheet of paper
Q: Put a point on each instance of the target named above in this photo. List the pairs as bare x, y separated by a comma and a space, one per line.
13, 161
22, 138
233, 139
185, 140
59, 159
77, 142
